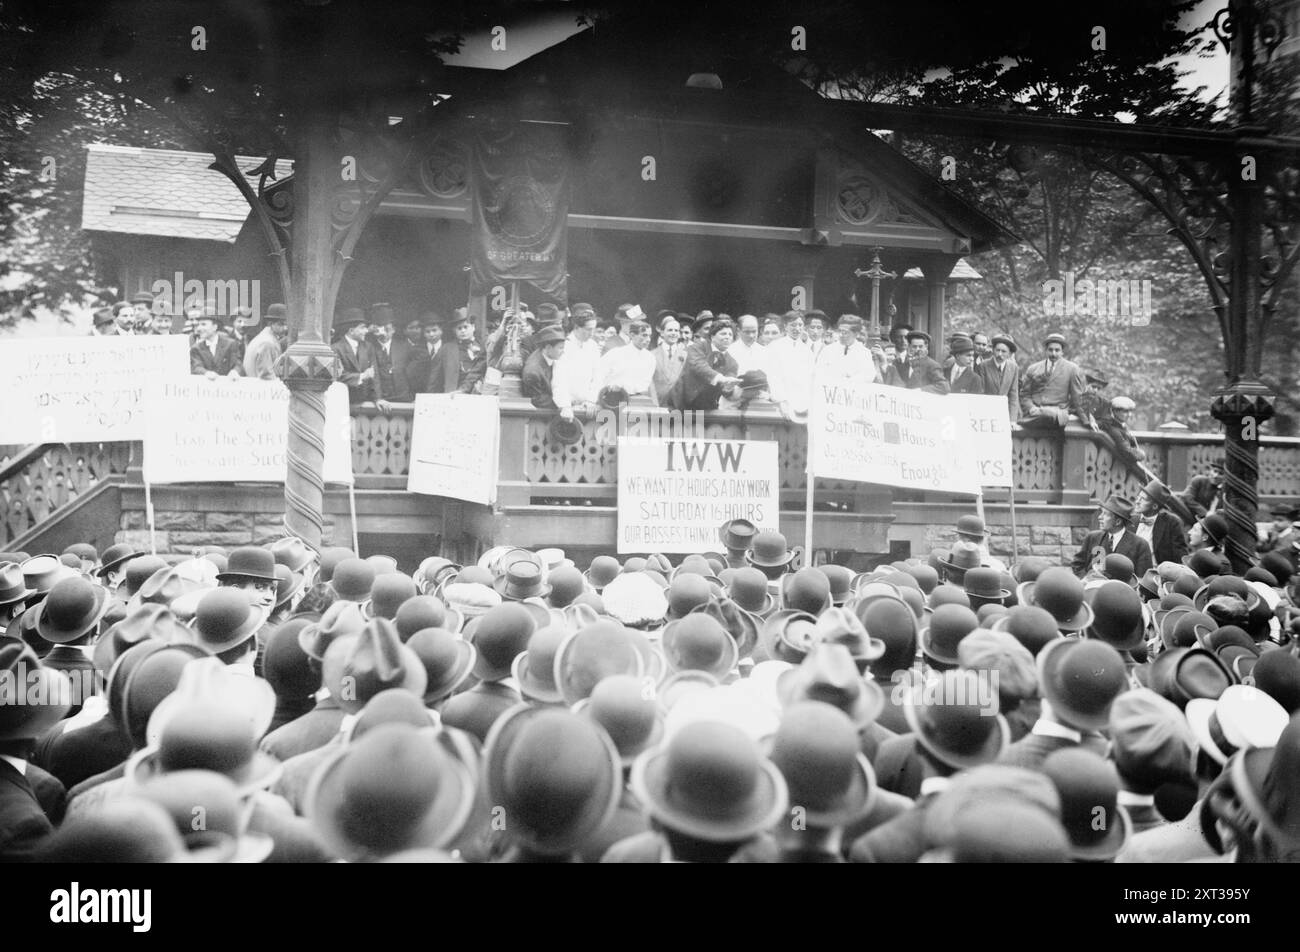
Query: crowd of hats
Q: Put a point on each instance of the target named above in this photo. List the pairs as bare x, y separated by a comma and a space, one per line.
728, 706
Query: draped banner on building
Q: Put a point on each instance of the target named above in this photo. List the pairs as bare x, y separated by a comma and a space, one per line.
224, 430
519, 200
990, 428
674, 495
878, 434
454, 446
84, 389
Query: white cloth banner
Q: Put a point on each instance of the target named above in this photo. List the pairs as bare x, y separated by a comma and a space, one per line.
454, 446
233, 430
878, 434
84, 389
674, 495
990, 428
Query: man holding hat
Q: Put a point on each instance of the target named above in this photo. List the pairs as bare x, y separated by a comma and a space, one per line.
357, 357
265, 349
921, 371
1115, 534
1052, 388
709, 372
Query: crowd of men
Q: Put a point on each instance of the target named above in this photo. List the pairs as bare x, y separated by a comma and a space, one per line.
571, 359
274, 704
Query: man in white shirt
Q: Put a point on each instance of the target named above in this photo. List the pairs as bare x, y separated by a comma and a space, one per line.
848, 359
815, 323
633, 367
747, 351
574, 380
790, 368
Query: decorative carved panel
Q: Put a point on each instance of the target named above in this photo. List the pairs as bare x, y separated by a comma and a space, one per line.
1104, 475
55, 478
1036, 463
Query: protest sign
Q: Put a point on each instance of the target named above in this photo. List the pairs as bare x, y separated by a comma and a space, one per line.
990, 428
673, 495
232, 430
895, 437
454, 446
84, 389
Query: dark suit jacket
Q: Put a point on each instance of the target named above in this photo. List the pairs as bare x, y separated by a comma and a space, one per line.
392, 383
924, 373
536, 384
74, 756
476, 710
1200, 494
229, 357
412, 364
968, 381
453, 371
354, 367
23, 823
79, 669
695, 389
1129, 544
1168, 538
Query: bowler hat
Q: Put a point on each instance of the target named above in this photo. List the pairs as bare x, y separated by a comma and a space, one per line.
330, 558
1226, 585
950, 723
949, 624
555, 774
138, 571
564, 432
249, 562
748, 589
926, 577
72, 609
816, 750
710, 782
1204, 563
628, 712
223, 836
387, 594
448, 661
602, 570
1277, 674
1060, 593
893, 623
769, 550
499, 634
115, 555
1117, 616
699, 642
534, 667
1081, 679
984, 585
807, 590
396, 788
1097, 825
357, 667
224, 619
353, 579
286, 667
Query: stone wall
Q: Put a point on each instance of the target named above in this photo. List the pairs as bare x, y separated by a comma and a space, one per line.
1057, 543
178, 531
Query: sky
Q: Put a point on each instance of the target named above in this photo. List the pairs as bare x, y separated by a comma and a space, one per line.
1211, 73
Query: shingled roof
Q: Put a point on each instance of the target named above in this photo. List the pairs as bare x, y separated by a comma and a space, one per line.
163, 192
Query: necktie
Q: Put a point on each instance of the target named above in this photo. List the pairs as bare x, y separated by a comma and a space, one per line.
846, 350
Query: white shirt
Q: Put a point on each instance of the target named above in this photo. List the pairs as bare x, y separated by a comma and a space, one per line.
1144, 530
853, 363
1114, 540
1045, 728
574, 377
748, 356
790, 372
627, 367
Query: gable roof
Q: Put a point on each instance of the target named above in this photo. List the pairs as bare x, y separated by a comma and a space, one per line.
163, 192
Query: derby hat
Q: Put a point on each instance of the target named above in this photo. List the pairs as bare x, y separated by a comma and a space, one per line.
950, 723
1117, 616
1081, 679
115, 555
926, 577
382, 564
1088, 785
748, 589
566, 584
1182, 674
1204, 563
34, 697
1119, 568
626, 709
816, 750
339, 620
1278, 675
687, 592
534, 667
1242, 718
828, 674
984, 586
13, 585
603, 570
894, 624
224, 619
330, 559
710, 782
251, 561
499, 634
807, 590
357, 667
353, 579
223, 836
564, 432
948, 594
699, 642
971, 527
1060, 593
1215, 527
129, 830
789, 635
949, 624
1185, 628
285, 666
555, 774
769, 550
841, 581
71, 610
397, 788
387, 595
448, 661
593, 653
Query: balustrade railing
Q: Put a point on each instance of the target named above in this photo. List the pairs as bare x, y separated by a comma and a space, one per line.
39, 480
